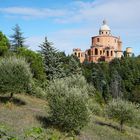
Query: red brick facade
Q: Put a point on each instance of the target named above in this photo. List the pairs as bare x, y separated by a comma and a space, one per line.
104, 47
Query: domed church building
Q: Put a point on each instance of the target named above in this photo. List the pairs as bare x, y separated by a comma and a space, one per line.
104, 47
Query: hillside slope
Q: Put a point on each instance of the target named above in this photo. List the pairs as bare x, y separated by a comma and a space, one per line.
26, 112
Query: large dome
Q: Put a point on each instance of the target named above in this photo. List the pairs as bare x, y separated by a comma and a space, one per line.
104, 27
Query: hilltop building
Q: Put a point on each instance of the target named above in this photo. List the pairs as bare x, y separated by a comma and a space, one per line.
104, 47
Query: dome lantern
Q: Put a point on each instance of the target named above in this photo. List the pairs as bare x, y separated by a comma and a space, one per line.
104, 30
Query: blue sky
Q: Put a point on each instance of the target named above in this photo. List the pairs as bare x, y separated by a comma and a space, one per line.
71, 23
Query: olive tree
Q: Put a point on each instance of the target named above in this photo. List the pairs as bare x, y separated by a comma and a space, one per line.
15, 75
122, 111
68, 103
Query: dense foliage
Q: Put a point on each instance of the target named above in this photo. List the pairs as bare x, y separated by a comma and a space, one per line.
15, 75
56, 63
119, 78
4, 44
68, 102
36, 62
53, 66
122, 111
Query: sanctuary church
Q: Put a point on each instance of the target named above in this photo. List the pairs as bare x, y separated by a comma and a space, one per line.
104, 47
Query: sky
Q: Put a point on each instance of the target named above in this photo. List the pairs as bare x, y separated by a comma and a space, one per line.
70, 24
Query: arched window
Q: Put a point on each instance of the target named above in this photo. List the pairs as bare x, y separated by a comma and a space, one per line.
78, 54
88, 52
107, 53
75, 53
98, 39
96, 51
111, 53
100, 52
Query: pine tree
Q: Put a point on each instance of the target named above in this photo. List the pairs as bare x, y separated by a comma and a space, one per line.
52, 61
73, 66
17, 39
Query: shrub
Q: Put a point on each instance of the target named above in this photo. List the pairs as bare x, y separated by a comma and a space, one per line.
122, 111
36, 133
15, 75
95, 107
4, 135
68, 103
37, 89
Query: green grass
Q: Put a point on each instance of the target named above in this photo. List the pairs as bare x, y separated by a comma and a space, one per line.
103, 129
26, 112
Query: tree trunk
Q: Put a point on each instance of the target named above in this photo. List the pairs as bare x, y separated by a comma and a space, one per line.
11, 96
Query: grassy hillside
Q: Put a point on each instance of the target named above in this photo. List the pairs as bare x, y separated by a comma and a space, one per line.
26, 112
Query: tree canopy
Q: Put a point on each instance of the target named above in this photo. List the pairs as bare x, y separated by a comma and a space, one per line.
4, 44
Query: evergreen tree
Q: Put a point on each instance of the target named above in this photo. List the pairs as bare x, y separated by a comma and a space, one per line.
116, 84
100, 82
52, 61
17, 39
73, 66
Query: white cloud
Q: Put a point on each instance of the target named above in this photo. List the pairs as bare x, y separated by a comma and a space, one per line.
117, 11
32, 12
83, 11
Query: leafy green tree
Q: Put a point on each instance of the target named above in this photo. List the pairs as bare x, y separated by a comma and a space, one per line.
36, 62
68, 102
4, 44
52, 61
121, 111
17, 39
15, 75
